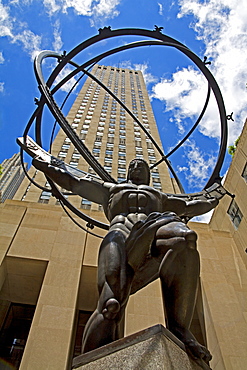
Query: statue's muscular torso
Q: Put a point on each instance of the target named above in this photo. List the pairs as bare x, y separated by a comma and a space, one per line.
128, 198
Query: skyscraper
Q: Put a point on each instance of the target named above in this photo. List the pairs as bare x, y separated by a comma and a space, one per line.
11, 178
109, 132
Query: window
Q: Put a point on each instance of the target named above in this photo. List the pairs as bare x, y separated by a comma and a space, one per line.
85, 204
96, 150
122, 161
108, 161
14, 333
244, 174
157, 185
235, 213
97, 144
121, 178
62, 154
108, 168
76, 156
155, 175
44, 197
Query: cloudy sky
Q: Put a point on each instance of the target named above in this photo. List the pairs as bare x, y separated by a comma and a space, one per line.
213, 28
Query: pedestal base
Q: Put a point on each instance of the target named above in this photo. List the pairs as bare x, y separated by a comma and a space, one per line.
154, 348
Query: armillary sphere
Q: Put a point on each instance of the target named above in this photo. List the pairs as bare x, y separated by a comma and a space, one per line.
48, 89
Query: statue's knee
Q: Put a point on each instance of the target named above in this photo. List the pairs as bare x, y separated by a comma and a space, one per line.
111, 309
191, 238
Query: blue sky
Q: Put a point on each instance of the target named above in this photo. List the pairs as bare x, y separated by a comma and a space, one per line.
215, 28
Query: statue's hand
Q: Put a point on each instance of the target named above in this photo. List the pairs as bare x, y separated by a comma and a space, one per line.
55, 173
40, 164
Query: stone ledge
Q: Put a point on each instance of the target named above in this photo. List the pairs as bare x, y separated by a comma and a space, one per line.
154, 348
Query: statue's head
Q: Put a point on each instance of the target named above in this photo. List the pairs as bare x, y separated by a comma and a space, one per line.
138, 172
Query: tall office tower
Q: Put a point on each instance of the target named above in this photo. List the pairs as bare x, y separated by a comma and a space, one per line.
109, 132
11, 177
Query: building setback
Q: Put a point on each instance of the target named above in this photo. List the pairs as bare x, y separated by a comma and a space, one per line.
49, 266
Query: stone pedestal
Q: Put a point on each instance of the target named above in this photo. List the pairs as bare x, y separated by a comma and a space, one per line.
154, 348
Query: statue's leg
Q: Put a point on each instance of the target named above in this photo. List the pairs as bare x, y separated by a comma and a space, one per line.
179, 274
114, 281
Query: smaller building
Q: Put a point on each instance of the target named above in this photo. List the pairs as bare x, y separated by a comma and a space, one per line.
11, 178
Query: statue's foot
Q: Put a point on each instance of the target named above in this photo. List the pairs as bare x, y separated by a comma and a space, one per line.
197, 350
193, 347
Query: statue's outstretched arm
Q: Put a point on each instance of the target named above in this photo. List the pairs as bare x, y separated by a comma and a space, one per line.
199, 207
189, 208
88, 188
67, 177
195, 204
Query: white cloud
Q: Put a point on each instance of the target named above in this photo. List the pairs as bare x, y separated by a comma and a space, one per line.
97, 10
203, 218
30, 42
148, 77
57, 44
160, 9
185, 94
6, 23
221, 25
52, 6
65, 71
1, 86
198, 166
1, 58
126, 64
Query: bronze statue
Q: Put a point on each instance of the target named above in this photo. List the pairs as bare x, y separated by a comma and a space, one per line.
147, 239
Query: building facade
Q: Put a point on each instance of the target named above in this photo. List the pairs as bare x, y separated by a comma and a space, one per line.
11, 177
49, 266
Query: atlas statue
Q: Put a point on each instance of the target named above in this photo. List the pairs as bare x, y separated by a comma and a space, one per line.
147, 239
148, 236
